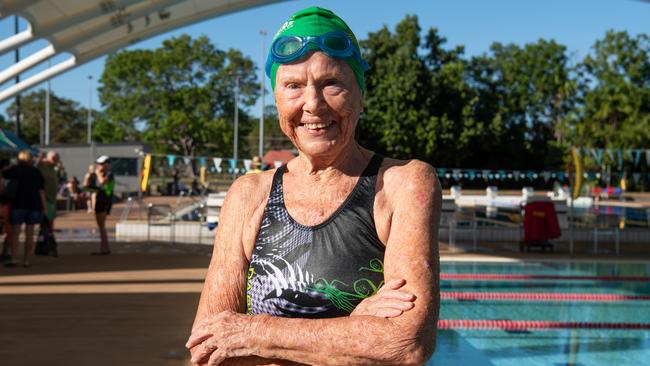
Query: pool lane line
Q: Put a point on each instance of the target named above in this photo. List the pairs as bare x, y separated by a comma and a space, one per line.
534, 296
520, 277
523, 325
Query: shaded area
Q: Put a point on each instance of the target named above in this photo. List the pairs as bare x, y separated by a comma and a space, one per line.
96, 329
144, 322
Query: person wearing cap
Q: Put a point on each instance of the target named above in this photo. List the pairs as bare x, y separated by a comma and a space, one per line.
332, 258
104, 183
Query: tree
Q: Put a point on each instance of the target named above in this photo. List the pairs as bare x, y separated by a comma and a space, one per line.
67, 118
396, 102
524, 93
496, 110
179, 97
615, 100
274, 138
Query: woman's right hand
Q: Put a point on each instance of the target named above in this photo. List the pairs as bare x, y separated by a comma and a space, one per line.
388, 302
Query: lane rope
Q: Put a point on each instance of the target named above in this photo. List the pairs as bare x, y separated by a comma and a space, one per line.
523, 325
533, 296
520, 277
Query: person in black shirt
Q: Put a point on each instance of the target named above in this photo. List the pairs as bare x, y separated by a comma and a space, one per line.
27, 204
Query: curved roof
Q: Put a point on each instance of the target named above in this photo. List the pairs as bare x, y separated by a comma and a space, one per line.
88, 29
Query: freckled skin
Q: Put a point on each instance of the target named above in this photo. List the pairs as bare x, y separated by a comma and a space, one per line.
394, 327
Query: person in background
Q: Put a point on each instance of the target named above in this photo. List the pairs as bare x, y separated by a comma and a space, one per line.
256, 165
90, 180
27, 205
73, 192
50, 168
103, 189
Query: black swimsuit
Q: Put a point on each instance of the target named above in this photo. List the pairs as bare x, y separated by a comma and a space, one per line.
320, 271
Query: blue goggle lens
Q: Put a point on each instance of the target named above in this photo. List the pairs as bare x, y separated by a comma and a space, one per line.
289, 48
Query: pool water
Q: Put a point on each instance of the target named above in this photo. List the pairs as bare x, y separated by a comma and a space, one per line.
552, 347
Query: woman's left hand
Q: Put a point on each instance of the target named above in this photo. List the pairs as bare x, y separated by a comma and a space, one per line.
224, 335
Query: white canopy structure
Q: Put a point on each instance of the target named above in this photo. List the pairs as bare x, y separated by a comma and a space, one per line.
88, 29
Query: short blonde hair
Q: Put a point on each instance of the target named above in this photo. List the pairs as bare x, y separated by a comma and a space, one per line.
25, 156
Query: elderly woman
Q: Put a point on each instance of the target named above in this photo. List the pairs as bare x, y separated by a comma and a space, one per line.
333, 258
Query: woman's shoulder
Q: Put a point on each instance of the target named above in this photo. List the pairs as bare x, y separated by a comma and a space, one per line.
250, 189
400, 174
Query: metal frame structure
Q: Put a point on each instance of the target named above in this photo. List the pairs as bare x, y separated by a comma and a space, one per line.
88, 29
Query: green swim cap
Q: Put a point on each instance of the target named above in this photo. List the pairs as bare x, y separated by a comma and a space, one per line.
315, 21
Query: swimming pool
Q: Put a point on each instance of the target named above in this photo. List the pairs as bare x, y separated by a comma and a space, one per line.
590, 294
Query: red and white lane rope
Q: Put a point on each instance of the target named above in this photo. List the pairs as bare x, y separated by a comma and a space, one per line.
520, 277
532, 296
522, 325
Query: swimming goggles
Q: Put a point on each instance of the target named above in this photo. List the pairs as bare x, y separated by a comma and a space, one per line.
286, 49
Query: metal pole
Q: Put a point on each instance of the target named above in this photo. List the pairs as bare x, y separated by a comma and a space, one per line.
47, 109
260, 151
17, 58
90, 118
236, 138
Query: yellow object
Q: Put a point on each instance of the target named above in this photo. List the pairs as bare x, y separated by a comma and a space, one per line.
624, 184
577, 181
146, 170
202, 175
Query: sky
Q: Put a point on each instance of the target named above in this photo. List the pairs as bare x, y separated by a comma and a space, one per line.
476, 24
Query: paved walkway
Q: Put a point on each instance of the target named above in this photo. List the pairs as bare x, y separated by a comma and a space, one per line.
133, 307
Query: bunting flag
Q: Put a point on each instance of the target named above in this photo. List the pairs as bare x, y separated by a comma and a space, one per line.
485, 174
217, 164
502, 174
619, 159
201, 161
233, 166
610, 153
598, 155
516, 173
187, 160
636, 177
547, 176
277, 163
171, 159
472, 174
529, 175
456, 174
637, 157
628, 154
441, 171
561, 176
247, 164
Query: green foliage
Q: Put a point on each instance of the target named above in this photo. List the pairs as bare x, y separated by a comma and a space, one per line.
179, 97
514, 107
274, 138
68, 120
615, 95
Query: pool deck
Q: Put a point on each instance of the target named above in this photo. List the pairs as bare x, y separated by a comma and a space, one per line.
136, 306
